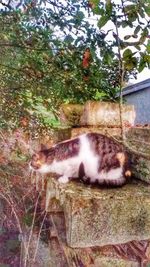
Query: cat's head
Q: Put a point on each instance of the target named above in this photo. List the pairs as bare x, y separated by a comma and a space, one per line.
38, 160
41, 159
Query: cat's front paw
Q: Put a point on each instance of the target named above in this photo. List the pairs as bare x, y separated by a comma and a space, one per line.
63, 179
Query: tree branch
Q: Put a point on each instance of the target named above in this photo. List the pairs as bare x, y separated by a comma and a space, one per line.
121, 78
31, 232
6, 5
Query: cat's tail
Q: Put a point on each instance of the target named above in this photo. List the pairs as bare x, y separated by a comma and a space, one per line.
127, 167
124, 160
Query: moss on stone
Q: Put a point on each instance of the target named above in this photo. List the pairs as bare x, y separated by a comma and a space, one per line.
96, 216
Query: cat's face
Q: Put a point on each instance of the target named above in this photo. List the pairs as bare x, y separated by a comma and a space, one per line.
37, 161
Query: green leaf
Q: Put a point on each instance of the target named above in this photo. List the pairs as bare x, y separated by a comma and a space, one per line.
68, 38
147, 58
108, 58
130, 8
134, 36
142, 39
27, 219
127, 53
80, 15
124, 23
130, 63
109, 7
137, 29
98, 11
141, 12
145, 32
142, 65
132, 17
147, 9
96, 2
102, 21
100, 95
148, 47
127, 37
138, 47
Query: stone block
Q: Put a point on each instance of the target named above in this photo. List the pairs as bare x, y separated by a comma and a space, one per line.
102, 130
54, 206
57, 253
70, 114
107, 114
140, 168
140, 134
138, 140
55, 136
98, 216
110, 262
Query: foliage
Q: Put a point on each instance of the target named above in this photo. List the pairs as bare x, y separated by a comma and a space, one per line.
42, 46
132, 16
22, 207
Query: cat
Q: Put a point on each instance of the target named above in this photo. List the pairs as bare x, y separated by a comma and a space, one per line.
91, 157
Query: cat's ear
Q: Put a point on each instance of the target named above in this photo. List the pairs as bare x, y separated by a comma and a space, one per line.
43, 147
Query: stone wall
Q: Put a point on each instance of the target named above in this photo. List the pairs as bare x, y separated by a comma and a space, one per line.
138, 140
99, 227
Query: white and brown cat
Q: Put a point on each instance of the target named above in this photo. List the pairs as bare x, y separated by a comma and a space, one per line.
92, 157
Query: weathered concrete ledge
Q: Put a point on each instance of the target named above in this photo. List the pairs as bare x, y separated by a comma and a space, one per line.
97, 217
54, 255
97, 113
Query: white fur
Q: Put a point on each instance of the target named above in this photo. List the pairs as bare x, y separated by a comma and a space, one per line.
70, 167
89, 159
63, 179
67, 167
113, 174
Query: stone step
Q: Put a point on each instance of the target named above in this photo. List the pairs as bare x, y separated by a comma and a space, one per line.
57, 253
51, 256
98, 217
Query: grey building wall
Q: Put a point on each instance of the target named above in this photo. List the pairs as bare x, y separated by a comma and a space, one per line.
141, 101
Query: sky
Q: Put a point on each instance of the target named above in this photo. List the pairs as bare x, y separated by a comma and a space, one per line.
145, 74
